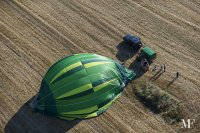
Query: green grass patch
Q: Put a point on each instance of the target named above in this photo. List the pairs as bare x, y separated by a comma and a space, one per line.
159, 101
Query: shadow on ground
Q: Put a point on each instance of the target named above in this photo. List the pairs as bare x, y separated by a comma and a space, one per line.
156, 75
26, 121
136, 67
125, 51
171, 82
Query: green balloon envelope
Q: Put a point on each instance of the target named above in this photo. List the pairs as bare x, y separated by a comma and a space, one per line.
82, 86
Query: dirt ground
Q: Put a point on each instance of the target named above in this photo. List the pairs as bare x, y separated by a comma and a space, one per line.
34, 34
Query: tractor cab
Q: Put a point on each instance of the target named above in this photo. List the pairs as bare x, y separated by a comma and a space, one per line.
147, 53
133, 40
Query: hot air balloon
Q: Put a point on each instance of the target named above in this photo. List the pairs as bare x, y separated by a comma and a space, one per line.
82, 86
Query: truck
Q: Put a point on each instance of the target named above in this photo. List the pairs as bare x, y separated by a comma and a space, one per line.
134, 41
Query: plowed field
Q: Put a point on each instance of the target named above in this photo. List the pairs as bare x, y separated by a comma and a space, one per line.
34, 34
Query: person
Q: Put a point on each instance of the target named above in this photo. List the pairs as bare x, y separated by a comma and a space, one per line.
154, 68
145, 65
164, 67
177, 74
161, 67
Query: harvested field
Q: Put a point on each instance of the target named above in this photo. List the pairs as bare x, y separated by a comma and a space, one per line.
34, 34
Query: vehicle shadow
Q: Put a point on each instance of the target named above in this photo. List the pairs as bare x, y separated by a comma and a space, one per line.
125, 51
27, 121
136, 67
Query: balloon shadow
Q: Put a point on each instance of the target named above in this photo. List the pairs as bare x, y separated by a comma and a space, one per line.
136, 67
27, 121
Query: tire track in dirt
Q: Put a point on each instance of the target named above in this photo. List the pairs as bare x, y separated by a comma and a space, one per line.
163, 16
99, 24
80, 30
169, 17
45, 26
184, 54
22, 43
141, 26
52, 22
155, 32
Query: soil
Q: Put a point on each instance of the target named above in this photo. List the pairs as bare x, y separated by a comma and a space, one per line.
34, 34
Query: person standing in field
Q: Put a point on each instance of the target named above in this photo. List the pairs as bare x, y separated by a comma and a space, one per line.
177, 74
161, 67
154, 68
164, 67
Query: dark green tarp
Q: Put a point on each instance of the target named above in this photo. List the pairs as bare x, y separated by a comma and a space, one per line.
149, 53
82, 86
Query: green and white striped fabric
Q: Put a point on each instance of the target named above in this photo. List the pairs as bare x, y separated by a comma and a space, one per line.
82, 86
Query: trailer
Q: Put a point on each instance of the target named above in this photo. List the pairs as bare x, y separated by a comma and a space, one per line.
147, 53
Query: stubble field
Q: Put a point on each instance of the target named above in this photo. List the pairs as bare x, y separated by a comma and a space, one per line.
34, 34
